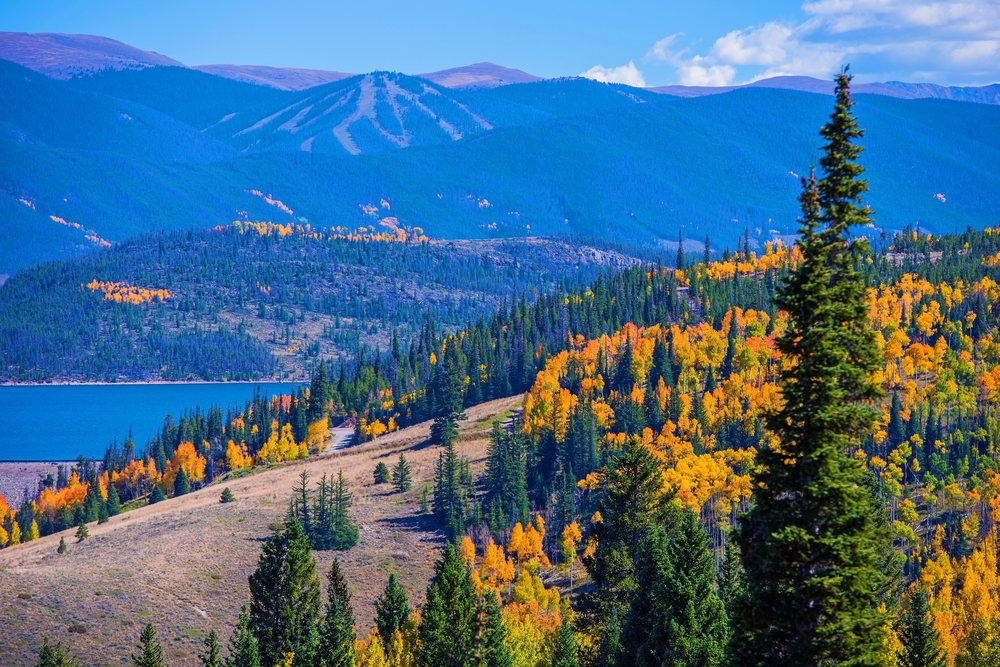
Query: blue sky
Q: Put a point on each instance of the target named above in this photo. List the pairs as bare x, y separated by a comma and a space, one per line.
695, 42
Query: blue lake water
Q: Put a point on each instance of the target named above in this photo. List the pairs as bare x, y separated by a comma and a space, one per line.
60, 422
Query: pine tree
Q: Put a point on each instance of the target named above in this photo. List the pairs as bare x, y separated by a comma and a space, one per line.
391, 609
285, 598
150, 652
81, 532
62, 545
811, 544
242, 644
449, 394
732, 586
54, 656
680, 251
381, 473
676, 619
401, 479
114, 504
336, 648
566, 650
181, 485
157, 495
920, 639
633, 500
345, 533
493, 651
448, 626
300, 506
211, 657
227, 496
448, 505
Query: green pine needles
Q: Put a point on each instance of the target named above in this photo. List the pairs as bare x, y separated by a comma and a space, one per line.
812, 544
402, 479
323, 513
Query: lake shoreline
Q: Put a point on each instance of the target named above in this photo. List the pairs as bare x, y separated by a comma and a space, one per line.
55, 383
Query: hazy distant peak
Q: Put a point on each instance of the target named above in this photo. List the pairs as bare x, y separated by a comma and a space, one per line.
807, 84
479, 75
282, 78
62, 56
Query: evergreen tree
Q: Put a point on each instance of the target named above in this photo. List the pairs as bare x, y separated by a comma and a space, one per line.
336, 648
62, 545
506, 484
157, 495
243, 645
345, 533
708, 250
381, 473
676, 619
114, 505
732, 586
150, 653
92, 504
448, 626
811, 544
633, 500
391, 609
54, 656
566, 651
920, 639
285, 598
449, 394
448, 501
401, 479
493, 651
227, 496
181, 485
300, 506
680, 251
211, 657
81, 532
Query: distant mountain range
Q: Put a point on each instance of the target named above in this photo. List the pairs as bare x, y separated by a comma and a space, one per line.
62, 56
135, 146
906, 91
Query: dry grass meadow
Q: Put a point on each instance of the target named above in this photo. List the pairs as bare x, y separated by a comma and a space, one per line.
183, 564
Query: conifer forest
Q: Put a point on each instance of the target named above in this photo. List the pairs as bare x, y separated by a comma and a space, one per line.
774, 455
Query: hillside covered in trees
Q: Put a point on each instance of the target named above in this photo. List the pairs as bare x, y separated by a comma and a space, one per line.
785, 458
259, 300
122, 153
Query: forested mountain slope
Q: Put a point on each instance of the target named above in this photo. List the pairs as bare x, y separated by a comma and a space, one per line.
258, 300
172, 148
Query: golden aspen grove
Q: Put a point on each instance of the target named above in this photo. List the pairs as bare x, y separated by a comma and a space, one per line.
601, 527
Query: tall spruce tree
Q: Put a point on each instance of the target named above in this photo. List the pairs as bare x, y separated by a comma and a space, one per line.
920, 639
150, 653
811, 544
448, 626
449, 508
181, 485
285, 598
336, 648
493, 651
448, 390
676, 619
632, 501
242, 644
402, 479
391, 609
566, 652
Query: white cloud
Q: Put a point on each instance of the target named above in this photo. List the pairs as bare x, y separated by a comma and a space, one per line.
947, 41
627, 74
698, 75
661, 50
